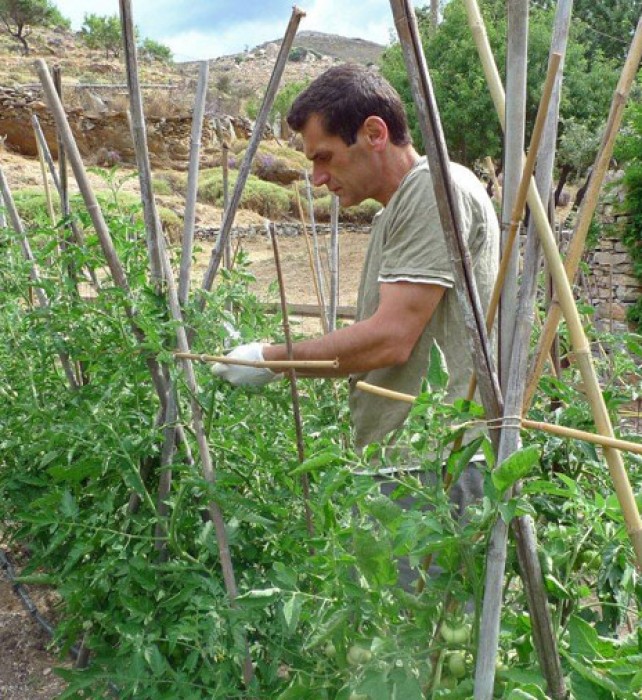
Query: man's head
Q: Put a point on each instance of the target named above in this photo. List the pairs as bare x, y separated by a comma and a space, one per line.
344, 97
355, 132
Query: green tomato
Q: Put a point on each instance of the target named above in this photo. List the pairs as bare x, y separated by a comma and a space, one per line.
590, 559
329, 650
358, 655
457, 664
546, 563
455, 635
448, 682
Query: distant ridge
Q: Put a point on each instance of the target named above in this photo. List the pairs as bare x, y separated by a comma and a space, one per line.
340, 47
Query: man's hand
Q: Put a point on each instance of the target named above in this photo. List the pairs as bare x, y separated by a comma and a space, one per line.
240, 375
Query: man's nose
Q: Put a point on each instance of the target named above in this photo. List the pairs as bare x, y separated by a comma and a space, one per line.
319, 176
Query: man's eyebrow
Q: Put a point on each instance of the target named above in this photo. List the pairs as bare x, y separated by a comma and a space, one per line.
318, 154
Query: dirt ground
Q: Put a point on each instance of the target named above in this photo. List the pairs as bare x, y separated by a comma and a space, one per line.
26, 663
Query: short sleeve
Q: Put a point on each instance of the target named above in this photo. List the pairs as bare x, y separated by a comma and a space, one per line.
414, 245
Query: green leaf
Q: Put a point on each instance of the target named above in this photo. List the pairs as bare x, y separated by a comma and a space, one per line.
292, 612
374, 558
458, 461
591, 674
528, 692
68, 506
155, 659
259, 597
322, 459
437, 374
374, 685
405, 686
515, 467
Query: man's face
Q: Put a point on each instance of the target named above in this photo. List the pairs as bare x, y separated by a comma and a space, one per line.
347, 171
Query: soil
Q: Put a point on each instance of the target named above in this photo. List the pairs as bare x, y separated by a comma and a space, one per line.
27, 666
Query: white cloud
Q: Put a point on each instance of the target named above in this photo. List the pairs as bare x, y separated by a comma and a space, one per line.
200, 45
366, 19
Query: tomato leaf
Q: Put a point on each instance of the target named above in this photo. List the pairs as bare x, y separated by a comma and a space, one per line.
515, 467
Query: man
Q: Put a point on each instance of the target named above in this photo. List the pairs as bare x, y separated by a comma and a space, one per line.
356, 135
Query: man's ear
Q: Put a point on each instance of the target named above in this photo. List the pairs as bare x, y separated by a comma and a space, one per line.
375, 131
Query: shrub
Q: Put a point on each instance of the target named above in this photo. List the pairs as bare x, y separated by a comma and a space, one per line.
151, 50
297, 54
103, 33
361, 214
264, 198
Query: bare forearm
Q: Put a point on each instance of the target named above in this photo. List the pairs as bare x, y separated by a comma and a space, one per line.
358, 348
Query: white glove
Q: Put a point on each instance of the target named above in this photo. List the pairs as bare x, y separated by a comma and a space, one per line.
240, 375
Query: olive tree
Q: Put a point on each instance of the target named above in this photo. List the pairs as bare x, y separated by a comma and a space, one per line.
19, 16
102, 32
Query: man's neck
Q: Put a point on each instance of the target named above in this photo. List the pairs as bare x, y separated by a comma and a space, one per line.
396, 164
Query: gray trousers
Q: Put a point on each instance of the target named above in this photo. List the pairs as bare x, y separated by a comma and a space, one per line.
468, 489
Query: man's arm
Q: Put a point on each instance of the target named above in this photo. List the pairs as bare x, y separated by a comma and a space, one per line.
383, 340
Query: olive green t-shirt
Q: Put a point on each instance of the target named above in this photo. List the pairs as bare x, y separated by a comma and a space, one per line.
407, 244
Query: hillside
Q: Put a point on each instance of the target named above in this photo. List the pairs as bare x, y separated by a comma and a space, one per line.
337, 47
234, 80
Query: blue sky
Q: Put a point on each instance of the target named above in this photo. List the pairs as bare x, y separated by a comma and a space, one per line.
199, 29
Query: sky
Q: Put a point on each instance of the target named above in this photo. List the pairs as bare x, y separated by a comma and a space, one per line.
201, 29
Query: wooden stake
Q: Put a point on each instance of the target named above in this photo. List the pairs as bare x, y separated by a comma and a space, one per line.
587, 208
333, 262
553, 429
296, 409
244, 171
315, 281
192, 183
432, 133
621, 482
139, 137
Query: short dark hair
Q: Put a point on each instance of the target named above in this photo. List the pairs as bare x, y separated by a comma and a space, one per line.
344, 97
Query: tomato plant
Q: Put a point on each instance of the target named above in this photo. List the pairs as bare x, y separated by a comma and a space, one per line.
322, 615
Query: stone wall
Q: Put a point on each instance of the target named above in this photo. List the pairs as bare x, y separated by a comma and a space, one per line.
610, 284
106, 137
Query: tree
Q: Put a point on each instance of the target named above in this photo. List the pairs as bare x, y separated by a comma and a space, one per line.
19, 16
155, 51
102, 32
468, 116
608, 24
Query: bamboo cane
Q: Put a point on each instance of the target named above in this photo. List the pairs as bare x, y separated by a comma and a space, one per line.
432, 133
257, 133
565, 295
315, 282
589, 202
296, 408
281, 365
520, 201
34, 271
192, 183
526, 423
161, 270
